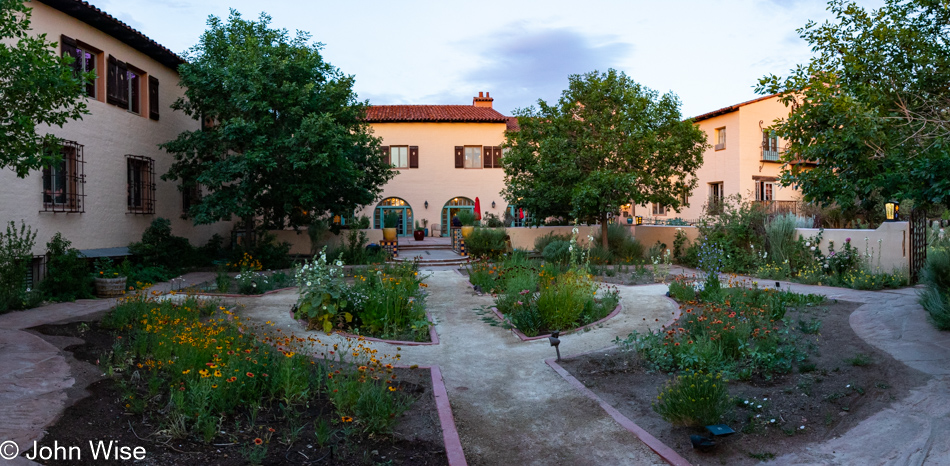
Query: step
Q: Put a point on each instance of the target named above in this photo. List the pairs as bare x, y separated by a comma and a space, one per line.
421, 246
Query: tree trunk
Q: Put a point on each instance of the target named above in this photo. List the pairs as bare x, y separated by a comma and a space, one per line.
248, 232
603, 229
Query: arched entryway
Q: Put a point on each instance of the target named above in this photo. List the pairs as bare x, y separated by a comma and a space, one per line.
453, 207
513, 216
402, 209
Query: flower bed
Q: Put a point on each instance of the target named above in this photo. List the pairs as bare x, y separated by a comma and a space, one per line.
385, 302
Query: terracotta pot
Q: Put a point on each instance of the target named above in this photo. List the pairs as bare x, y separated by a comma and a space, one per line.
389, 234
110, 287
419, 235
467, 230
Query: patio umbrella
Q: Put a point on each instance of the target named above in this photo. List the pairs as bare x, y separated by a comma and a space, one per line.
521, 213
478, 209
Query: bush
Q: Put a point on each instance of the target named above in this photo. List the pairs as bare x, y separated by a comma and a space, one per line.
487, 242
467, 217
694, 399
780, 235
739, 230
159, 248
935, 276
542, 242
270, 253
622, 246
67, 273
16, 252
353, 250
557, 252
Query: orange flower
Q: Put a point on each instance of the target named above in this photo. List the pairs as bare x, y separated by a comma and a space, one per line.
346, 419
258, 441
249, 374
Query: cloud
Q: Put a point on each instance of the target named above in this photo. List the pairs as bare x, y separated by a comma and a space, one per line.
520, 65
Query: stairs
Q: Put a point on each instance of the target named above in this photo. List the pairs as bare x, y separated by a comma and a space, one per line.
432, 252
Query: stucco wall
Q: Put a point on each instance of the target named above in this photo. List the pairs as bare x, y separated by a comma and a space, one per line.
300, 240
891, 253
524, 237
107, 134
437, 180
648, 235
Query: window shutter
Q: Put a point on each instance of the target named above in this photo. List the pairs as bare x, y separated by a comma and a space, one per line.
69, 48
112, 80
122, 89
153, 98
459, 156
486, 157
413, 156
384, 154
496, 156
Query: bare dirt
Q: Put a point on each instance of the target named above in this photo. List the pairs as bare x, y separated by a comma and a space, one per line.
842, 382
99, 414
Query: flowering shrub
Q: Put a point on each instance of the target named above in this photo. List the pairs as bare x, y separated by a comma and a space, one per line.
693, 399
322, 294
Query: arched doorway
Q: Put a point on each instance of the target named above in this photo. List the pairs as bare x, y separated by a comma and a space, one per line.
402, 209
453, 207
513, 217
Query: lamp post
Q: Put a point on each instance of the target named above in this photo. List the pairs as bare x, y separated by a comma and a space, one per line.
555, 341
892, 211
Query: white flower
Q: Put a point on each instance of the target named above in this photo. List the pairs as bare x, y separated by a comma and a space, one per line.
746, 401
339, 263
758, 407
308, 283
847, 386
765, 399
758, 415
802, 428
808, 243
772, 420
570, 248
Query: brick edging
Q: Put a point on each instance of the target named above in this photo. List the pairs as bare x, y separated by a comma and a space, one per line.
450, 435
649, 440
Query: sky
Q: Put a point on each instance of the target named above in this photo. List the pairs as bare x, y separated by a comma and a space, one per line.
709, 53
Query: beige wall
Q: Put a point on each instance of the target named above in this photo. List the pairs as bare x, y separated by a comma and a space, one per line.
524, 237
300, 240
648, 235
893, 237
107, 134
735, 165
437, 180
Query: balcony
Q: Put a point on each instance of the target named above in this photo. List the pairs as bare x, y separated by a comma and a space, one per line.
770, 155
779, 207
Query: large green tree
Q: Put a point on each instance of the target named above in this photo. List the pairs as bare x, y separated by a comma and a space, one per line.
607, 141
38, 87
871, 107
283, 137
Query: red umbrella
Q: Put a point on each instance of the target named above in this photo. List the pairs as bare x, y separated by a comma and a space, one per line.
521, 213
478, 209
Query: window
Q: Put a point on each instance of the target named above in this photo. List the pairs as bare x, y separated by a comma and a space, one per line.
189, 196
473, 157
401, 156
123, 84
684, 198
715, 198
721, 138
769, 146
84, 60
764, 191
659, 209
63, 182
141, 184
478, 157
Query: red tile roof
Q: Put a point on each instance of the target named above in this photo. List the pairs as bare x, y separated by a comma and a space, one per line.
729, 109
512, 123
433, 113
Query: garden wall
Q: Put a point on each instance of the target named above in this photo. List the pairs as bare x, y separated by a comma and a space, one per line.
648, 235
300, 240
894, 243
523, 237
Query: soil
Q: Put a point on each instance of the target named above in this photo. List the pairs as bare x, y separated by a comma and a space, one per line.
842, 382
416, 439
626, 275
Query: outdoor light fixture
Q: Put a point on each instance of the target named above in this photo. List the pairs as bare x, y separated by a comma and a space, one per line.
427, 204
492, 204
555, 341
892, 211
639, 220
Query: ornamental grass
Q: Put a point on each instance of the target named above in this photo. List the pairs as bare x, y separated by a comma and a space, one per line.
693, 399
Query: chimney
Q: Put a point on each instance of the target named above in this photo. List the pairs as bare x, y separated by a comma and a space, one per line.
483, 100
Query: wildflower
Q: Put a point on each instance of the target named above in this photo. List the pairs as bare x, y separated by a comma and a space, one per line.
346, 419
258, 441
249, 374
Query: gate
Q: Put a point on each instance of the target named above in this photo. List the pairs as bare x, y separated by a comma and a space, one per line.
918, 242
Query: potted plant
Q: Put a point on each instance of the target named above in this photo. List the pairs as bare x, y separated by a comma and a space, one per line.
419, 233
467, 218
425, 226
390, 220
108, 281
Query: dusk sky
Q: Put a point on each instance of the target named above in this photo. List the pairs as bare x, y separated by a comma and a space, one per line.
709, 53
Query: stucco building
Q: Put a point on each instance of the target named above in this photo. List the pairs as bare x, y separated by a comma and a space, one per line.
743, 158
108, 188
446, 156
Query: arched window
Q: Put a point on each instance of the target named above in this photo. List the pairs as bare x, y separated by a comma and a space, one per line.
402, 210
452, 208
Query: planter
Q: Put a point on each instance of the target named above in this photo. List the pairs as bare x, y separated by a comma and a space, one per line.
467, 230
427, 231
419, 235
629, 220
389, 234
110, 287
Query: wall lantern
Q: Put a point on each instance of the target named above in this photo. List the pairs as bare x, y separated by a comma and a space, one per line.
427, 204
639, 220
492, 204
892, 211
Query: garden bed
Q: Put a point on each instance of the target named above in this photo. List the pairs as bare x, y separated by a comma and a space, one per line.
107, 414
842, 382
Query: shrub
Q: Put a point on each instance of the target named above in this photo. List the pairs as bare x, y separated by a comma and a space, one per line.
935, 276
622, 246
353, 250
487, 242
739, 230
467, 217
693, 399
267, 250
16, 251
542, 242
557, 252
780, 235
159, 248
67, 273
390, 219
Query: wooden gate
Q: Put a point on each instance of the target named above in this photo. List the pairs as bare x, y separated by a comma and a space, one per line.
918, 242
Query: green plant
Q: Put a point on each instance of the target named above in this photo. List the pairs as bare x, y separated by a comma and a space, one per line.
935, 276
557, 252
389, 302
419, 227
487, 242
492, 221
390, 219
322, 293
859, 360
222, 280
159, 248
542, 242
693, 399
67, 274
466, 217
680, 242
780, 236
16, 248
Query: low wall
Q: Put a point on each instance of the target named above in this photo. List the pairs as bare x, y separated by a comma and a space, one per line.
523, 237
887, 245
648, 235
300, 240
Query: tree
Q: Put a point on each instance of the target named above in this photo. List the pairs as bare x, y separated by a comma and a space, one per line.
37, 88
608, 141
871, 107
283, 138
